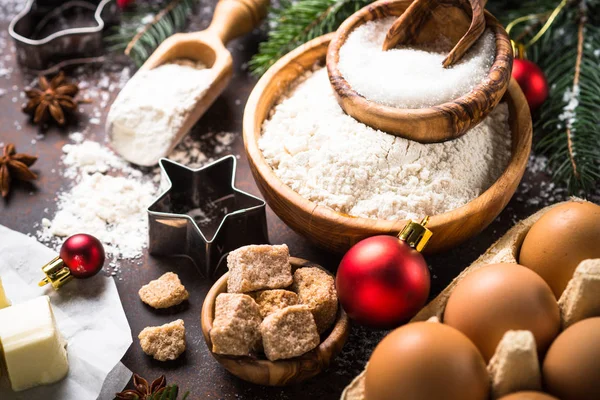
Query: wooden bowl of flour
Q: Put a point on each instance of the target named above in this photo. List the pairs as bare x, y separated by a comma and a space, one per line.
337, 232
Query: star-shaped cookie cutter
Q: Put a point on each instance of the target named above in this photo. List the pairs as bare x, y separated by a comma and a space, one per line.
202, 215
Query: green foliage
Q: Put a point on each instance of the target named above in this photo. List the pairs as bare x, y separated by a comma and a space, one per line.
148, 25
570, 136
293, 23
508, 10
170, 393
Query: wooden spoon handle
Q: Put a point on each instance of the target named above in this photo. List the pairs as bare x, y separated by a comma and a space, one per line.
475, 30
233, 18
407, 27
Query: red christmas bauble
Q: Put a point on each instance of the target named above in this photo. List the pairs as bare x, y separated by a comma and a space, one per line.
83, 254
382, 282
532, 80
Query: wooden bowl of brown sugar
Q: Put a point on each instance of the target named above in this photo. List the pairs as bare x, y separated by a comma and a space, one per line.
337, 232
284, 372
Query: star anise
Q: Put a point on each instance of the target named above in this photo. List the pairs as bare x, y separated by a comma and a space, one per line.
143, 390
51, 99
13, 164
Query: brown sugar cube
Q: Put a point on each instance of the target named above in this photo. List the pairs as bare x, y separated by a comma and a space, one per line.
236, 325
258, 267
165, 342
316, 289
289, 332
164, 292
273, 300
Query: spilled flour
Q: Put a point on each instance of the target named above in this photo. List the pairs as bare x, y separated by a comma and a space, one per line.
112, 208
331, 159
110, 196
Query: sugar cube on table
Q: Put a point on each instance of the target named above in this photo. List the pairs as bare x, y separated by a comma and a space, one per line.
164, 292
165, 342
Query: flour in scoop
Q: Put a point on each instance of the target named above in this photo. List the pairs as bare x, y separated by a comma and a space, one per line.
410, 78
333, 160
151, 109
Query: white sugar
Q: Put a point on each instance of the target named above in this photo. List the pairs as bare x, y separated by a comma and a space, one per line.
151, 109
331, 159
410, 78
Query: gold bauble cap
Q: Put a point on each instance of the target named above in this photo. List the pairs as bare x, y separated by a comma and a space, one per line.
415, 234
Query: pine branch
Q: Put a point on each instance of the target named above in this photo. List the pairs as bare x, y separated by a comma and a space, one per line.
296, 22
508, 10
568, 125
138, 35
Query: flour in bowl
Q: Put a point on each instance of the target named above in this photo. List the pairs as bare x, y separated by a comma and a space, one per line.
407, 77
148, 113
333, 160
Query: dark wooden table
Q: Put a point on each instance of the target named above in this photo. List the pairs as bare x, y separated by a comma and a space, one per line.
196, 370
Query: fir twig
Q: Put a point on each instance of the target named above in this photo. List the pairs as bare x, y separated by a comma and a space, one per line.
568, 125
138, 38
575, 89
149, 25
293, 23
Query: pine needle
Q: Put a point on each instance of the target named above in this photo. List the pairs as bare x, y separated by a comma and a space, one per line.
568, 125
138, 38
293, 23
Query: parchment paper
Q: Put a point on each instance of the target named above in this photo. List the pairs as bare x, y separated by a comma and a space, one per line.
89, 314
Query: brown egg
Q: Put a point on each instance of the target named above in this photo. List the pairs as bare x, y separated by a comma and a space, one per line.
571, 370
528, 396
502, 297
426, 360
560, 240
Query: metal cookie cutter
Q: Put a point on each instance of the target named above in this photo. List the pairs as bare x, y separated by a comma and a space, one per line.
48, 31
201, 214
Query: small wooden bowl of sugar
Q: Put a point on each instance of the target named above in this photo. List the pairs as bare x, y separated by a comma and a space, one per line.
407, 91
282, 372
337, 231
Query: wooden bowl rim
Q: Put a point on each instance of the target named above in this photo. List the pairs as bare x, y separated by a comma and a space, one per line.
520, 151
338, 332
378, 111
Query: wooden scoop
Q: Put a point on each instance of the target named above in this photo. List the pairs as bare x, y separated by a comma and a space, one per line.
232, 18
422, 23
409, 25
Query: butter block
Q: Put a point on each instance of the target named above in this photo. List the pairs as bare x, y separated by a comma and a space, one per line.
4, 302
33, 349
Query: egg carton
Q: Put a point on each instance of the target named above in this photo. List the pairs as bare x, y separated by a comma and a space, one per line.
515, 366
